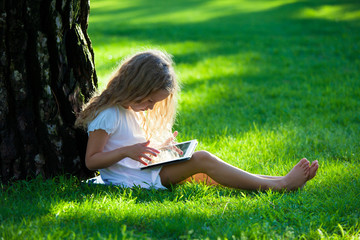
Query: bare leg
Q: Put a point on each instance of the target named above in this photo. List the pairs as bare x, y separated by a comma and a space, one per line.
204, 178
269, 177
230, 176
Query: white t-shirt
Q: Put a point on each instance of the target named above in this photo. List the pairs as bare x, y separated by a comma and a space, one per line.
124, 130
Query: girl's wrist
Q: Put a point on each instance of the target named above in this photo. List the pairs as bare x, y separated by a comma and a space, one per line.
122, 152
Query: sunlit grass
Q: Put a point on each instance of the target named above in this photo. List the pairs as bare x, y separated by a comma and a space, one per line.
330, 12
137, 12
264, 83
64, 208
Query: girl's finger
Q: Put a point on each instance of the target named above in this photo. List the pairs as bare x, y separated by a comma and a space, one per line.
178, 150
144, 156
143, 162
175, 134
153, 150
152, 153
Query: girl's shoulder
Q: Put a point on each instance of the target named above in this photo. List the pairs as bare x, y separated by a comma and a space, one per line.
108, 120
110, 111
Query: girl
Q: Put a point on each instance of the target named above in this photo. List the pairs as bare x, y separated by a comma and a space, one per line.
137, 108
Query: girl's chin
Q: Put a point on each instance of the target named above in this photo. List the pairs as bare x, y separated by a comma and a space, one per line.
138, 110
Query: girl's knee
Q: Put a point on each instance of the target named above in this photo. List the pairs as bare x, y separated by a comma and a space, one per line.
203, 159
201, 155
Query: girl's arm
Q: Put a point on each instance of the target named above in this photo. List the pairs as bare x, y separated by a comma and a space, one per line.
95, 158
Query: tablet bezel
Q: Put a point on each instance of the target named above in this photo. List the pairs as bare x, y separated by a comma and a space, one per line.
187, 155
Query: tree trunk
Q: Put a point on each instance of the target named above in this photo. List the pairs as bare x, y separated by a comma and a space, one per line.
47, 72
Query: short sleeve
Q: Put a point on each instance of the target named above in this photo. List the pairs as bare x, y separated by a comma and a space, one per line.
108, 120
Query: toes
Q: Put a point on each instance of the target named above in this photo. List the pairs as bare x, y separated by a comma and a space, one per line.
304, 162
314, 165
313, 169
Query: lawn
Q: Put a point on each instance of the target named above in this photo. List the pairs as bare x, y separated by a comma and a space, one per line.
264, 83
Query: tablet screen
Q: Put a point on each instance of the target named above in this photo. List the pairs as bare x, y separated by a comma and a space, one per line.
171, 154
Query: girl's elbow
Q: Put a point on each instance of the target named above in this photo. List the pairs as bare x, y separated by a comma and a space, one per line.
91, 168
89, 165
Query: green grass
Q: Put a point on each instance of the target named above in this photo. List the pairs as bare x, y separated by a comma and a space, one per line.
265, 83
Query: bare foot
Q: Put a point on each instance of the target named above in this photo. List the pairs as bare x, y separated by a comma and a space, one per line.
313, 169
298, 176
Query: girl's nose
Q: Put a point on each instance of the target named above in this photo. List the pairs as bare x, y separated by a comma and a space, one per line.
151, 106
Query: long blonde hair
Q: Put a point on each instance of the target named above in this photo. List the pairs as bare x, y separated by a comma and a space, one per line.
136, 78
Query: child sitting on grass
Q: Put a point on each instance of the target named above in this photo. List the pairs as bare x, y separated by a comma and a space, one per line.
137, 108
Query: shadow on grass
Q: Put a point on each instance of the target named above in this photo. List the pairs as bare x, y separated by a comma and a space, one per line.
245, 29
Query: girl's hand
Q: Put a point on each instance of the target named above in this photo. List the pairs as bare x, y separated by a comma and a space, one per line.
141, 151
170, 143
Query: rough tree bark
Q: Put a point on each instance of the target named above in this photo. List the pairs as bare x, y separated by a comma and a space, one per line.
47, 71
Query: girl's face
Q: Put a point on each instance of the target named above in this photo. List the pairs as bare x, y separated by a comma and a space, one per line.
149, 102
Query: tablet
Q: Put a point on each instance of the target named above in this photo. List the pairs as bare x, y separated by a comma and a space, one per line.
169, 155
